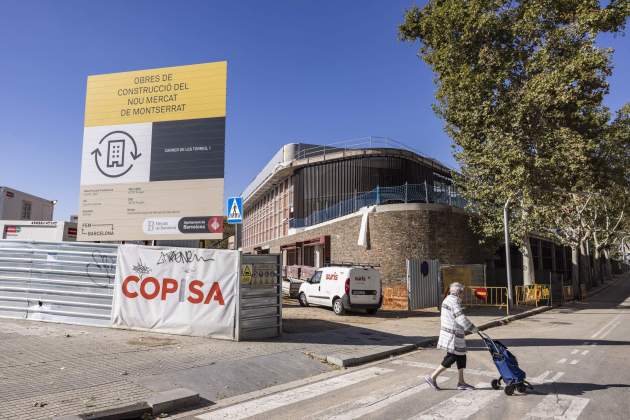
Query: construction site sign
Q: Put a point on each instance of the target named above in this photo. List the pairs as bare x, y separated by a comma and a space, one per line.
153, 154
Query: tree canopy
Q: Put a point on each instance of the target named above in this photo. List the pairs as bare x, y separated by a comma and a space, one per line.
520, 86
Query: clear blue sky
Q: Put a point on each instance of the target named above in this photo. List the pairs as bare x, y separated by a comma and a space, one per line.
312, 71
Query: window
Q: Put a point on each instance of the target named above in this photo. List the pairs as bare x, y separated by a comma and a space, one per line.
26, 210
308, 256
316, 277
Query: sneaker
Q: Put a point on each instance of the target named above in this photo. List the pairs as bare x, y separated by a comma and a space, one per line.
465, 387
431, 383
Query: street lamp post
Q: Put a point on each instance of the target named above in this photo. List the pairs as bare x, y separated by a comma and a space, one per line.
508, 265
624, 254
53, 203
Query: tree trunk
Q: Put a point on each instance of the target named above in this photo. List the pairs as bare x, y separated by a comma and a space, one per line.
529, 276
607, 266
585, 266
597, 269
575, 271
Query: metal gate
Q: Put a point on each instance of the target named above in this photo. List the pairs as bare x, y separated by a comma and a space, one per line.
57, 281
423, 284
260, 298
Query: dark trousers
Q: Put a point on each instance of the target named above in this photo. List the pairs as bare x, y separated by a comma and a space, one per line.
451, 358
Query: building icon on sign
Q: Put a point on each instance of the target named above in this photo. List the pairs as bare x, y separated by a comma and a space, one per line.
115, 153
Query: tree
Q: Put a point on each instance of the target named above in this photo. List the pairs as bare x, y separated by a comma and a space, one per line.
596, 205
612, 221
520, 87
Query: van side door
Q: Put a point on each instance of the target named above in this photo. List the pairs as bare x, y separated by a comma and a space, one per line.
332, 284
314, 289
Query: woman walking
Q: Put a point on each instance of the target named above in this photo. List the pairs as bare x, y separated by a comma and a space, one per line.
453, 327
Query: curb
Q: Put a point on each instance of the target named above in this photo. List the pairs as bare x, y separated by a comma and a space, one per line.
506, 320
345, 362
159, 403
349, 361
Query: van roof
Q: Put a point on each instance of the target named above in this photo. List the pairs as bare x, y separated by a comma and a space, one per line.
351, 264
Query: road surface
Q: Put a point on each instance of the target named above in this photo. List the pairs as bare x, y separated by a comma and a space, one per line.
578, 358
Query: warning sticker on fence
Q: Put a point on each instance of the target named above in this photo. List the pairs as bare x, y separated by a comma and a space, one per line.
264, 275
246, 274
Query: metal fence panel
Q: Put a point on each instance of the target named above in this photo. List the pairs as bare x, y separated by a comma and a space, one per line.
57, 281
260, 298
423, 284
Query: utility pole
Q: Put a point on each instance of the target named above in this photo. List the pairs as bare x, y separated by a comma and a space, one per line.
508, 264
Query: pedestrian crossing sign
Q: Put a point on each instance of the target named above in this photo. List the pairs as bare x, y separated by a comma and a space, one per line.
235, 210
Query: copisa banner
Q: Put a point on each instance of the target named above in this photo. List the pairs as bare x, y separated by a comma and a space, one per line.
176, 290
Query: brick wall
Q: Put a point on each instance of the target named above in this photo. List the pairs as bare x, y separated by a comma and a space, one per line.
398, 232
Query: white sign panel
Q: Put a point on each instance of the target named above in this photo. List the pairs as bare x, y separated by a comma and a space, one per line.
116, 154
176, 290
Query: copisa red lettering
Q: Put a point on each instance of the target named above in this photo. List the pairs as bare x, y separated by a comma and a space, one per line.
150, 288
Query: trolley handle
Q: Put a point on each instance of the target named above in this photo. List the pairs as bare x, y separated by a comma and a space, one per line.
486, 338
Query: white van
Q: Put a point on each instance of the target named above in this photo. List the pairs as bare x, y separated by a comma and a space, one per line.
343, 288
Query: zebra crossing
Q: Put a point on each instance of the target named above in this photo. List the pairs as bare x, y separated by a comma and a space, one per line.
367, 400
396, 390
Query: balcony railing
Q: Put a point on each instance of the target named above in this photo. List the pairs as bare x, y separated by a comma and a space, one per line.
408, 193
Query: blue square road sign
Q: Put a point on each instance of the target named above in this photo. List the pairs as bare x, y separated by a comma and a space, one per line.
235, 210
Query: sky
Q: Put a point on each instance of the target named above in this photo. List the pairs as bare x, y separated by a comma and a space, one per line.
309, 71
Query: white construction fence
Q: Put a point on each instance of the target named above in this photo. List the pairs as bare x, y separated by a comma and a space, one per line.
189, 291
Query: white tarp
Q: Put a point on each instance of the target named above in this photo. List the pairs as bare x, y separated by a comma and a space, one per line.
176, 290
364, 228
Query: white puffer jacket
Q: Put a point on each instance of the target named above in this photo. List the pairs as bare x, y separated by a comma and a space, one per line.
453, 326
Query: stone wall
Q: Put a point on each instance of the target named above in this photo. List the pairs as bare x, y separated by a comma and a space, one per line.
398, 232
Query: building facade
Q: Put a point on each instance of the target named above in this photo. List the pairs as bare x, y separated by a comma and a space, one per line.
378, 204
18, 205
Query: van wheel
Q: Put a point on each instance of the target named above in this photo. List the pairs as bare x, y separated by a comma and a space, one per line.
372, 311
338, 307
302, 299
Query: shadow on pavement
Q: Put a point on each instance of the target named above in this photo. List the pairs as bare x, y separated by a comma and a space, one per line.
381, 314
572, 388
318, 331
535, 342
612, 297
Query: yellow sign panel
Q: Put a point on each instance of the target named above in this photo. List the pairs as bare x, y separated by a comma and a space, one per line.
246, 275
163, 94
